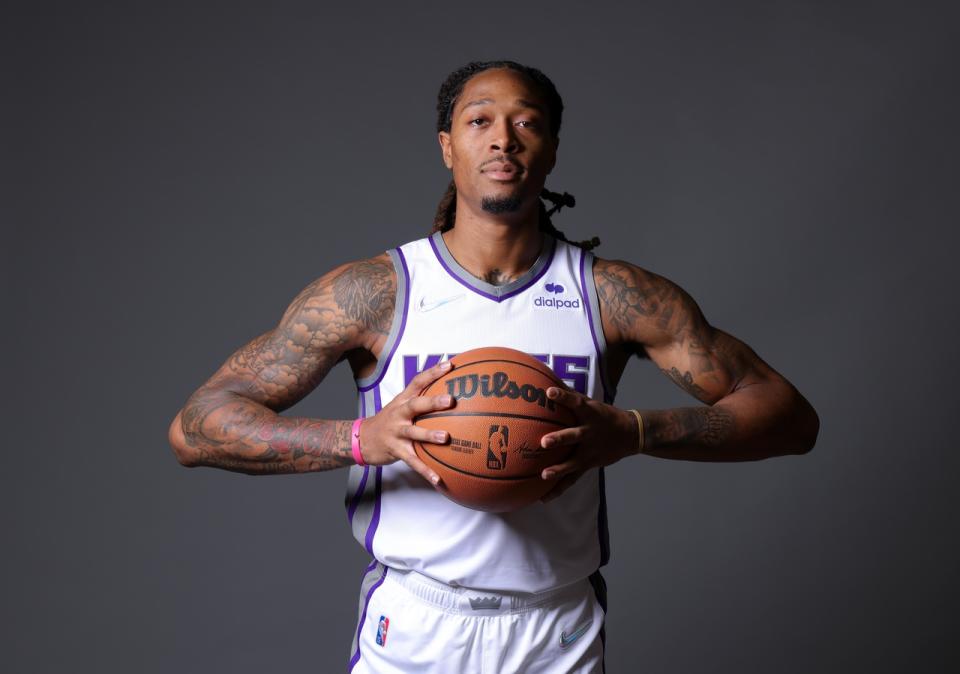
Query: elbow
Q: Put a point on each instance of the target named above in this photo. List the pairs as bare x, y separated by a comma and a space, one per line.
808, 428
178, 443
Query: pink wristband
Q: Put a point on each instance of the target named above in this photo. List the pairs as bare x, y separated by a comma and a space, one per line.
355, 442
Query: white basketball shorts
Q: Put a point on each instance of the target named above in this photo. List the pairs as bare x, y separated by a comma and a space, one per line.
410, 624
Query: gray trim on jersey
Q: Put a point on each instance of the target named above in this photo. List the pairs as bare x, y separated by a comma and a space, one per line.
362, 501
546, 255
394, 335
596, 323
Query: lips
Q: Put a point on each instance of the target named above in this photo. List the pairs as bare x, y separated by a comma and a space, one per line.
501, 170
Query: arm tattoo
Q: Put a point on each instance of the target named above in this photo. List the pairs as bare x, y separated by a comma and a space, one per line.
685, 381
628, 297
709, 427
366, 293
649, 310
232, 422
229, 431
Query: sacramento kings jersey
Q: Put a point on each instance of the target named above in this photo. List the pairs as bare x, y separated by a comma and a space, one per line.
551, 313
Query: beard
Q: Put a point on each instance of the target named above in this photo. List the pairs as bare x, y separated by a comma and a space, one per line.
496, 205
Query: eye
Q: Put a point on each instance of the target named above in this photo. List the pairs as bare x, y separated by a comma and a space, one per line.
476, 122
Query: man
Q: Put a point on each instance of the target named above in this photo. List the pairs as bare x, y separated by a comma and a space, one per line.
452, 589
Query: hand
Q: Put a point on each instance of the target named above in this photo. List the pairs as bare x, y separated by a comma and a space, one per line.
604, 434
388, 435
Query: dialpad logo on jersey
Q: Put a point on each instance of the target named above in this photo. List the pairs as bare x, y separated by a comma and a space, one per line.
556, 302
382, 628
498, 385
497, 442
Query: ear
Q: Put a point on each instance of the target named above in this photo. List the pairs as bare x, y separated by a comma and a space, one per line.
444, 139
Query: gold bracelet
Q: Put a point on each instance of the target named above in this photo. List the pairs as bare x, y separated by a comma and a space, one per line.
640, 426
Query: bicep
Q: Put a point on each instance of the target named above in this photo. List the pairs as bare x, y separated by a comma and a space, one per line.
334, 314
650, 312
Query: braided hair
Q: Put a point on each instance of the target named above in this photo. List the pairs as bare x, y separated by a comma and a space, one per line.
450, 91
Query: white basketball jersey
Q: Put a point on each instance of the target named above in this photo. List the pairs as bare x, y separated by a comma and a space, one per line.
551, 313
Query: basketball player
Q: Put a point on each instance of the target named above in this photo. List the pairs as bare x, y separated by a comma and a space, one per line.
450, 589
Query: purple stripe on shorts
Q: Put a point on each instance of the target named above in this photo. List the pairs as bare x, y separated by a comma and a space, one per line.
363, 616
403, 324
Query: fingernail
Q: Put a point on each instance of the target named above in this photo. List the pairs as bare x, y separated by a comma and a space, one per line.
548, 474
440, 436
435, 479
548, 442
446, 365
446, 400
552, 393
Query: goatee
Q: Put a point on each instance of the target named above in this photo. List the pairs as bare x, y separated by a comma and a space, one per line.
496, 205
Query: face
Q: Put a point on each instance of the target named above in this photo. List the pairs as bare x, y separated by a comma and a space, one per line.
499, 147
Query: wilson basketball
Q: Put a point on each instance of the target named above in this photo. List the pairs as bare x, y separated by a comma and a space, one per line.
493, 459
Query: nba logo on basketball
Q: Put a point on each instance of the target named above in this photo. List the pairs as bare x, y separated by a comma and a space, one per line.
497, 447
382, 630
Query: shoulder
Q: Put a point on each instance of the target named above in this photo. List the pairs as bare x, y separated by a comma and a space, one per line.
641, 307
358, 296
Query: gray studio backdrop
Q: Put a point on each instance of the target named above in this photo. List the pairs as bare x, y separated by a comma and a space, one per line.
174, 175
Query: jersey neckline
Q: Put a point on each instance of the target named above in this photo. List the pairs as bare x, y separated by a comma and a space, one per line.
488, 290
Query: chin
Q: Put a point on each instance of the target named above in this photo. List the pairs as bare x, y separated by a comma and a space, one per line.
511, 202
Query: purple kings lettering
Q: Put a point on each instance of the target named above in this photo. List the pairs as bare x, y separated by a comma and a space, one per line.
411, 366
573, 370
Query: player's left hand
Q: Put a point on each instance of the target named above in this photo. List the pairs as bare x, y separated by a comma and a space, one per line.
604, 434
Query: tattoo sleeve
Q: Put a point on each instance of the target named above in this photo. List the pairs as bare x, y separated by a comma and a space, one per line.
233, 420
759, 413
649, 311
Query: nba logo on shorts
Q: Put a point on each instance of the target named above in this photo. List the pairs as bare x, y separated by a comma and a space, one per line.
382, 630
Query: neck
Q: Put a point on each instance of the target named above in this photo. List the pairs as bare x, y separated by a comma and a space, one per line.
493, 249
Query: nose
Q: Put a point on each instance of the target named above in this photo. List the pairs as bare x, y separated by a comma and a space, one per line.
504, 138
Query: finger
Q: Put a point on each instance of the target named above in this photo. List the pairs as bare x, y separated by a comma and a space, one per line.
566, 397
427, 377
411, 459
567, 436
421, 434
424, 404
563, 484
561, 469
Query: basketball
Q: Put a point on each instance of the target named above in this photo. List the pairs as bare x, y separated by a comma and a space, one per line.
493, 459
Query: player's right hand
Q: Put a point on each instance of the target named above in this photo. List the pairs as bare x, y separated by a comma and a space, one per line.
388, 435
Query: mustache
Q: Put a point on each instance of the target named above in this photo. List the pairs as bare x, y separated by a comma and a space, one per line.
504, 159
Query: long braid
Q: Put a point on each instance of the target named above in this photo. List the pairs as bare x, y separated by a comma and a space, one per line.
546, 225
446, 210
450, 90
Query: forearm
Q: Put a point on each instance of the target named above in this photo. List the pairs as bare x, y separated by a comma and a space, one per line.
225, 430
755, 422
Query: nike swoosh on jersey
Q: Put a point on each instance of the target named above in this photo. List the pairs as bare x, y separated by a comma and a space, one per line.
567, 639
430, 306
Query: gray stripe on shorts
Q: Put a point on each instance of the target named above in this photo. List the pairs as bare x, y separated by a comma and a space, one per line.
374, 575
